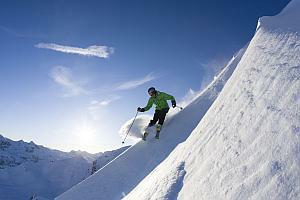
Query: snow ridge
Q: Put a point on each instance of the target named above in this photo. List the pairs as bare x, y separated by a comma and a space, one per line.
247, 145
240, 141
121, 175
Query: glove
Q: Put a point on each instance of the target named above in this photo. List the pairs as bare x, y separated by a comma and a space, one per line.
173, 103
140, 109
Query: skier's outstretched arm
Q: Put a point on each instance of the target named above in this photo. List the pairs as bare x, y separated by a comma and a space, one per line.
148, 106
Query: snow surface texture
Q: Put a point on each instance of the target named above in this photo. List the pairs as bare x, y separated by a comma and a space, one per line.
27, 169
246, 146
121, 175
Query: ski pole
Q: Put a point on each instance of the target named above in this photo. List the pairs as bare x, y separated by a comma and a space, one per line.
130, 127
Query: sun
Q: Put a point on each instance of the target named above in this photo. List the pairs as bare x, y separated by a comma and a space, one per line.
84, 134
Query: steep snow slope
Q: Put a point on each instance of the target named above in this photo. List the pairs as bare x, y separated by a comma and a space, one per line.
28, 169
121, 175
247, 146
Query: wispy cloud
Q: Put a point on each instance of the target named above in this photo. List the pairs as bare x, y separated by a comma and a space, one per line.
11, 31
135, 83
21, 33
95, 104
63, 77
96, 108
97, 51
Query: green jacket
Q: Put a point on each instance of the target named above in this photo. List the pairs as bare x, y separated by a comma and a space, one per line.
160, 100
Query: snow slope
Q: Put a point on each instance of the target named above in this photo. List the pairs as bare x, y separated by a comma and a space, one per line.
27, 169
124, 173
247, 146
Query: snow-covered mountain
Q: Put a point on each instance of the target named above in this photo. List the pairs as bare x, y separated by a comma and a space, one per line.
237, 142
126, 171
27, 169
14, 153
247, 146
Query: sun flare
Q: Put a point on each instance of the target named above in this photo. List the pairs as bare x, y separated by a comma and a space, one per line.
85, 133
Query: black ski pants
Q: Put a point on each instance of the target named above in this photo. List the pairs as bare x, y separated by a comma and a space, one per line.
159, 116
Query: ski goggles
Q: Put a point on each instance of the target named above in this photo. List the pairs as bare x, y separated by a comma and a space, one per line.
151, 93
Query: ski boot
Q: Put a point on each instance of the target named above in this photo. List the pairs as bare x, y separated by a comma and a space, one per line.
158, 128
145, 135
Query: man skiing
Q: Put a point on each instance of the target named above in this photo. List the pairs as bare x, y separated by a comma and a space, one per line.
160, 100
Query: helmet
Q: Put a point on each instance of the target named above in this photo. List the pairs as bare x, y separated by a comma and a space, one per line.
151, 90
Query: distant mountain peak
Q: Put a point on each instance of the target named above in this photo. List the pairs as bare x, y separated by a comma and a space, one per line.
24, 165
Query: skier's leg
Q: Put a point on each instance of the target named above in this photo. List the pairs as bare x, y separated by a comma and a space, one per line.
155, 118
151, 123
162, 116
161, 119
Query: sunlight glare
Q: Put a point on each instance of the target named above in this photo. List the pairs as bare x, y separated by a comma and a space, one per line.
85, 133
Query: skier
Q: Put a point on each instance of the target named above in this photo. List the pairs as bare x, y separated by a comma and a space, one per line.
162, 108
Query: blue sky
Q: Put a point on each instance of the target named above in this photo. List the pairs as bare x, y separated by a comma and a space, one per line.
73, 72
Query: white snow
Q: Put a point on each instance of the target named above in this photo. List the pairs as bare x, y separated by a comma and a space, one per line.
286, 21
247, 146
121, 175
137, 128
237, 142
27, 169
